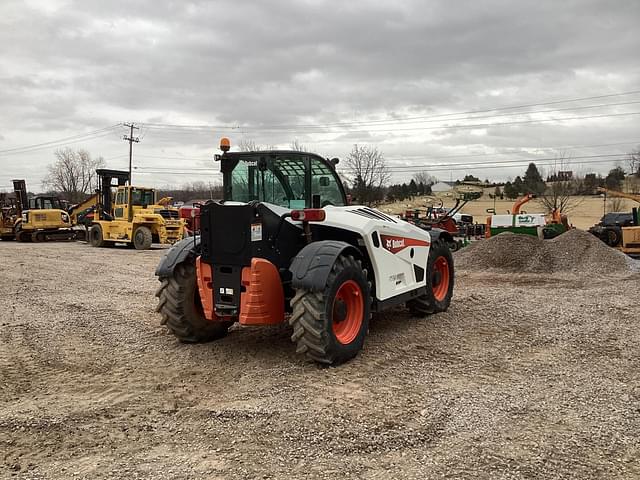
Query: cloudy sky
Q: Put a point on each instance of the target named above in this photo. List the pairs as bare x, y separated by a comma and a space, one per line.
459, 87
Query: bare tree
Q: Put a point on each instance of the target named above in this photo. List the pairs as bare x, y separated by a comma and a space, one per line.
368, 172
615, 204
424, 178
634, 162
561, 194
248, 145
297, 146
73, 174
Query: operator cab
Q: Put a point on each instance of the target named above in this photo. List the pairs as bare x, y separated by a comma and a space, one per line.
129, 199
44, 203
289, 179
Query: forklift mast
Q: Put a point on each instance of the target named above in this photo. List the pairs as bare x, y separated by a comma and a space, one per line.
105, 179
22, 200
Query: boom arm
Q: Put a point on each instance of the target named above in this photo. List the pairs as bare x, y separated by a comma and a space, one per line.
614, 193
81, 207
515, 210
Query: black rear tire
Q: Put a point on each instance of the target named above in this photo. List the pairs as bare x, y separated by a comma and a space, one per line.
613, 236
317, 316
96, 239
438, 297
142, 238
181, 309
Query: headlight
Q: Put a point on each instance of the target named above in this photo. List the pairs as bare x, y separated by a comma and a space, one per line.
25, 217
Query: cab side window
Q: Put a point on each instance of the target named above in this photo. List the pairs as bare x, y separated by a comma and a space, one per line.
324, 182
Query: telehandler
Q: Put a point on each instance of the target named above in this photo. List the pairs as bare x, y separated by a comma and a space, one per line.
284, 244
132, 216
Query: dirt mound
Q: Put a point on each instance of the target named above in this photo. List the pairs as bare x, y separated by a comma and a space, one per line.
575, 251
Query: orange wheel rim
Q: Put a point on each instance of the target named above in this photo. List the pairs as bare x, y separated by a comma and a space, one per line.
347, 312
440, 279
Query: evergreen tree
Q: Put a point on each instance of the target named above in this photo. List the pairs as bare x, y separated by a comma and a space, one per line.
518, 187
510, 191
614, 179
533, 182
413, 188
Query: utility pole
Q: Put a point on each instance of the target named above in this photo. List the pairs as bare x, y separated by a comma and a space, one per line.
131, 139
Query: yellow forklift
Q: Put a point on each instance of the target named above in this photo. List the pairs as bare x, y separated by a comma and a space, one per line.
132, 215
41, 218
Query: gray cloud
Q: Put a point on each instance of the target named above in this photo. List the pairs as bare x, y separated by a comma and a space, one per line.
84, 65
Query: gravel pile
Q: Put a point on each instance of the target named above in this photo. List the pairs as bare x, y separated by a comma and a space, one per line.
575, 251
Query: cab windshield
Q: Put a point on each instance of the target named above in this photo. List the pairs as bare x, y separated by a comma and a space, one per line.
44, 203
288, 180
142, 197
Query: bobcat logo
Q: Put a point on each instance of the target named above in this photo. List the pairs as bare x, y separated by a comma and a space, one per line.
395, 244
392, 244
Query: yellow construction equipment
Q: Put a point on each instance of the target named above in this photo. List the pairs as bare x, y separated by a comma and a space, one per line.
131, 216
625, 238
41, 218
8, 215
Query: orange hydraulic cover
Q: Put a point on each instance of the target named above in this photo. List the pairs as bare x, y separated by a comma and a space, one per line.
205, 288
262, 302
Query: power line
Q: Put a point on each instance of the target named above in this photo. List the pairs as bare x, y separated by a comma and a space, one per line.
439, 127
373, 123
61, 141
196, 169
402, 156
468, 112
592, 159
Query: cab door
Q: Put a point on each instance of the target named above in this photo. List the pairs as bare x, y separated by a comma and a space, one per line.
121, 206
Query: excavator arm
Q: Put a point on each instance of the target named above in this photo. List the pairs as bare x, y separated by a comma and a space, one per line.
614, 193
165, 201
81, 207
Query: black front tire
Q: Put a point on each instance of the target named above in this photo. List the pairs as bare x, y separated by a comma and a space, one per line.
436, 299
96, 239
181, 309
314, 315
142, 238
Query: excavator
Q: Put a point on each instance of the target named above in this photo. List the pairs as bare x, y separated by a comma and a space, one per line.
519, 221
132, 216
40, 218
620, 233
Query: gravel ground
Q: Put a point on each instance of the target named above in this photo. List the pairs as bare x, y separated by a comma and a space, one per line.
526, 376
